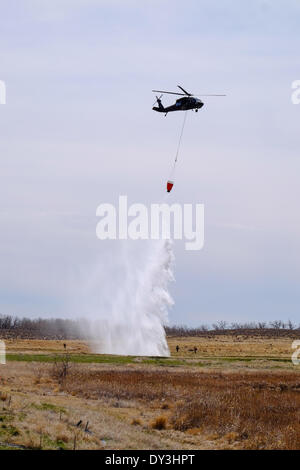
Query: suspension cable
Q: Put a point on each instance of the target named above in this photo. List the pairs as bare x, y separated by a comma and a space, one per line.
181, 134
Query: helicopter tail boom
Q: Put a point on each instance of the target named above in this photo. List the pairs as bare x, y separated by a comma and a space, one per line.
160, 108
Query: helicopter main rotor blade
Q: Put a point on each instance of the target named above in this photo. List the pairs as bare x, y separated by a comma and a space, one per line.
209, 95
185, 92
169, 92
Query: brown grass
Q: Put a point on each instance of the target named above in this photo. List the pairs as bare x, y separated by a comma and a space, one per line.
256, 409
159, 423
261, 415
3, 396
45, 416
136, 422
207, 346
225, 345
215, 405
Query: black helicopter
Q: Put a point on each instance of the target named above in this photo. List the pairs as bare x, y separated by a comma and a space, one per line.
182, 104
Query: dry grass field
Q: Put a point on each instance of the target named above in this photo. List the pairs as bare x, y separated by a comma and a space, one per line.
207, 346
236, 392
226, 345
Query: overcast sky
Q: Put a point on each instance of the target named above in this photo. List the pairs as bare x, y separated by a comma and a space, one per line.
78, 130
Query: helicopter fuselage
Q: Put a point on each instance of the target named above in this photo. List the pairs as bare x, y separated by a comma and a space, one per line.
182, 104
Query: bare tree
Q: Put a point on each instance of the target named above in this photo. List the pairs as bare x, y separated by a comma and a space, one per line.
61, 367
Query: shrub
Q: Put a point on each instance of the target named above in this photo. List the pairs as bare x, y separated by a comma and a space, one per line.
159, 423
136, 422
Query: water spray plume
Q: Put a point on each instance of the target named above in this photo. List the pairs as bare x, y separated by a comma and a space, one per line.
135, 321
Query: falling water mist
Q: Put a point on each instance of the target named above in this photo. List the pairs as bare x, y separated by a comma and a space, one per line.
134, 322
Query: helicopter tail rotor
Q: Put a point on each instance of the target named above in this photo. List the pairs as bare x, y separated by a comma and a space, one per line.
160, 107
158, 100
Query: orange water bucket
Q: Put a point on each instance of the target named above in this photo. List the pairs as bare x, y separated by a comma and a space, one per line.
170, 185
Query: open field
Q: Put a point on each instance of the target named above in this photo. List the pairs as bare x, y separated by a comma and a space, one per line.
235, 392
211, 350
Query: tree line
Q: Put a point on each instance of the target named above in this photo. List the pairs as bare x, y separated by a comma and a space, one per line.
68, 328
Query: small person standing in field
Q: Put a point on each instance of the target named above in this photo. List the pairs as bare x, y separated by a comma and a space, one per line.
195, 349
177, 348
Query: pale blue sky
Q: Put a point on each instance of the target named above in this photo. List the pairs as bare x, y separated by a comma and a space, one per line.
78, 130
